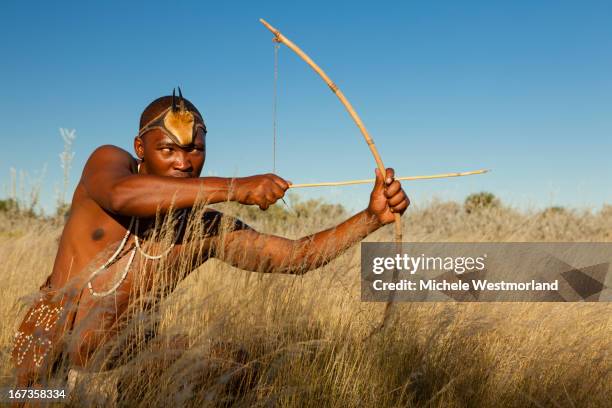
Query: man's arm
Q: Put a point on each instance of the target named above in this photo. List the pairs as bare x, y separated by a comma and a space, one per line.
253, 251
248, 249
109, 179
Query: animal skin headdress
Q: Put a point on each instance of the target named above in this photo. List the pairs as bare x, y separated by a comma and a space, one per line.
177, 122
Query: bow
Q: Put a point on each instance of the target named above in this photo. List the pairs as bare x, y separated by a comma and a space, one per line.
278, 37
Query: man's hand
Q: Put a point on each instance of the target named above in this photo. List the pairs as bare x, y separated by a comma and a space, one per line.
387, 198
262, 190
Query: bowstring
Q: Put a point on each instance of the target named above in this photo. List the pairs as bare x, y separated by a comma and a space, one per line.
274, 106
274, 114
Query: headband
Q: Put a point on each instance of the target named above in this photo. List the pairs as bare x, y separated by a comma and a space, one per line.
176, 122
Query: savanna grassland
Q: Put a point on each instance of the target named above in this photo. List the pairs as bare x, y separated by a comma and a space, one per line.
252, 339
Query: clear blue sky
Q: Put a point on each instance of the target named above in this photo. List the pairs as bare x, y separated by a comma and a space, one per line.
521, 87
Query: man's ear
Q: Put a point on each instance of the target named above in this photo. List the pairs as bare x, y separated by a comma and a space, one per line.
139, 147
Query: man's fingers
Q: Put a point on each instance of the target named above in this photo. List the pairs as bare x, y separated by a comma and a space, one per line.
390, 175
271, 198
396, 199
280, 192
379, 183
267, 200
282, 183
277, 192
401, 206
392, 189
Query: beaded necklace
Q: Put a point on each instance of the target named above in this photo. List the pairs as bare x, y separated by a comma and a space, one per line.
134, 222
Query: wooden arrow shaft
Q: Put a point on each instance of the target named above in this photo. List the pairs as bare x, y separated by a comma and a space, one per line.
368, 181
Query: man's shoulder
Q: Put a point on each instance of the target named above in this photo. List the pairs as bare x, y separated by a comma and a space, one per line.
108, 159
110, 150
109, 156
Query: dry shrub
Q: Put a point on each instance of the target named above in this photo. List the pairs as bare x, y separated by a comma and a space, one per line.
230, 337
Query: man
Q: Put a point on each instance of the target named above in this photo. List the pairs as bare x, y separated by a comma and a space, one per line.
114, 208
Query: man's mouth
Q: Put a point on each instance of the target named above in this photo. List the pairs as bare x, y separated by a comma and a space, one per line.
181, 174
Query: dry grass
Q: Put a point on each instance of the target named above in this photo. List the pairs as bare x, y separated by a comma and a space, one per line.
279, 340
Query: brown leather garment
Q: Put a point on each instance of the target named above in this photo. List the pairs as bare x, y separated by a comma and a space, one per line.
40, 339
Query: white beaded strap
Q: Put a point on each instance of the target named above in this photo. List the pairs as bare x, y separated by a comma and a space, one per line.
165, 252
131, 258
119, 281
111, 260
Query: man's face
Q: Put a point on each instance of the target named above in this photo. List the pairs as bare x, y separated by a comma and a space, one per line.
162, 157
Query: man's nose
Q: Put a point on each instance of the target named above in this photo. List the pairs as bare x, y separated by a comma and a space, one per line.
182, 162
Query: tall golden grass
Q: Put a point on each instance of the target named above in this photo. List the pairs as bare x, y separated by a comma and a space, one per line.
251, 339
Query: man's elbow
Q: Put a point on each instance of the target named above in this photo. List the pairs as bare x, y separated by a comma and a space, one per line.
302, 260
118, 201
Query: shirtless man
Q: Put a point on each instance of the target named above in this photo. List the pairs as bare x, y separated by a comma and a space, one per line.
115, 189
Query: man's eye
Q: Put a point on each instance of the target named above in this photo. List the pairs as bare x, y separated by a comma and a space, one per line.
166, 149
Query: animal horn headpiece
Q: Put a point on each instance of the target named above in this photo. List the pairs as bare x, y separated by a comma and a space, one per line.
176, 121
